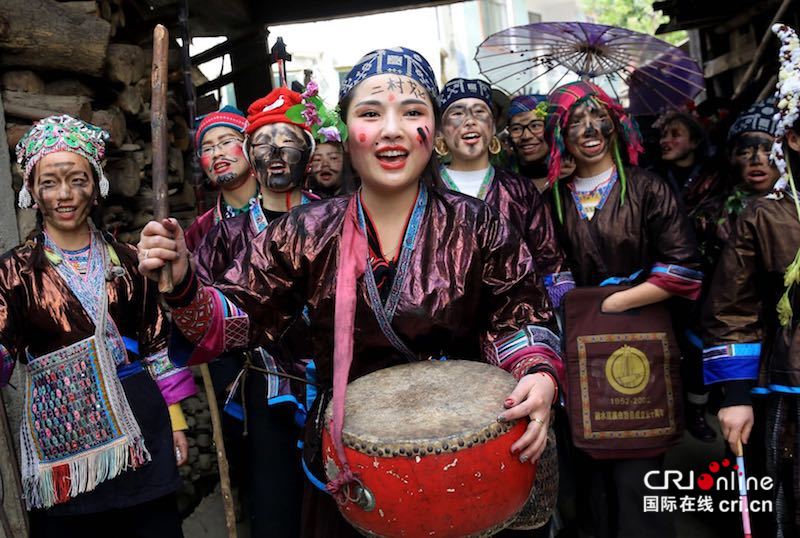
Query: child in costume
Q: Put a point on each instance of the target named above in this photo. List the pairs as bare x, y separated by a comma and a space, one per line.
102, 425
401, 270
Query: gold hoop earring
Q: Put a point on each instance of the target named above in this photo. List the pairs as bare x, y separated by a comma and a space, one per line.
440, 147
494, 146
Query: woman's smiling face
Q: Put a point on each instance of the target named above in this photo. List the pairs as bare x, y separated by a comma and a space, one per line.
391, 121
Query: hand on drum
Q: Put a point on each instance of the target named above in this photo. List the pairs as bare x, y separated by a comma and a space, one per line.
162, 242
533, 397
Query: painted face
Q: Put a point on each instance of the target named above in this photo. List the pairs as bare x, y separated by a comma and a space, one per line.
676, 142
222, 157
750, 160
468, 127
279, 153
63, 188
589, 132
391, 123
527, 134
327, 164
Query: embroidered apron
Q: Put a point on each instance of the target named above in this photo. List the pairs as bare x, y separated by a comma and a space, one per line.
78, 429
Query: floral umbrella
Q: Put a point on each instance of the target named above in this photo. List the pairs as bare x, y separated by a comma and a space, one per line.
646, 74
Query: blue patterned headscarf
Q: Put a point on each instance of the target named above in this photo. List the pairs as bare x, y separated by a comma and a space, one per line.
398, 61
463, 88
528, 103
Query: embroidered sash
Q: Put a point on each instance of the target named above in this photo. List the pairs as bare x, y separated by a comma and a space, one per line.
78, 430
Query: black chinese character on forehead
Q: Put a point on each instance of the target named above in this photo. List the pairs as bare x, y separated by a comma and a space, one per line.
395, 84
415, 90
377, 89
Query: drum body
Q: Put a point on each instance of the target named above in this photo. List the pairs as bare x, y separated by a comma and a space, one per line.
424, 441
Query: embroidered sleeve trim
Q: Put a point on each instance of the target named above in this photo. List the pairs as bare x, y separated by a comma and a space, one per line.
731, 362
532, 345
557, 285
677, 280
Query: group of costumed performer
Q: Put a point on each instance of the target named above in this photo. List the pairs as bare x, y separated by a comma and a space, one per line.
400, 270
750, 320
101, 425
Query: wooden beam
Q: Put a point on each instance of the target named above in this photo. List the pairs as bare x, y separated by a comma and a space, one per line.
728, 61
223, 48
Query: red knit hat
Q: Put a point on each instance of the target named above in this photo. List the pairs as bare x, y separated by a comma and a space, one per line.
272, 109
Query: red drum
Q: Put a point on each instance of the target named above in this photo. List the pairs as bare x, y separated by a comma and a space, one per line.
431, 458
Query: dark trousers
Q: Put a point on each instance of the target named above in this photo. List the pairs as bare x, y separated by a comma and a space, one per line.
273, 483
154, 519
611, 499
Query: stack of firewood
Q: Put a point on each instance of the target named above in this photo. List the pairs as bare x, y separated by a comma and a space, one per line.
63, 57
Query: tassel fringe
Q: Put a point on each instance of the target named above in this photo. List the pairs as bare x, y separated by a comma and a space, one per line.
792, 274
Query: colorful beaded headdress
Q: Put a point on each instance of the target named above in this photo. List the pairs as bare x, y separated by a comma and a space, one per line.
326, 125
787, 95
61, 133
397, 61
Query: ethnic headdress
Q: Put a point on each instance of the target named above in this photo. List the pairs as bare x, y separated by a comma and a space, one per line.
761, 117
61, 133
398, 61
529, 103
787, 95
562, 100
462, 88
326, 124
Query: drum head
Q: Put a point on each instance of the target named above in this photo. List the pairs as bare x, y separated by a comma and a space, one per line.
426, 402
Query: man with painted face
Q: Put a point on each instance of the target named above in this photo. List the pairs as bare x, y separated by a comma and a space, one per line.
617, 224
751, 319
467, 138
526, 120
218, 143
272, 408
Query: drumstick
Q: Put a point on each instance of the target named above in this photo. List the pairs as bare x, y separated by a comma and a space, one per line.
158, 126
743, 489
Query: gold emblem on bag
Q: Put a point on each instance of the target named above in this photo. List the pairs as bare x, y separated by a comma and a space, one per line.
628, 370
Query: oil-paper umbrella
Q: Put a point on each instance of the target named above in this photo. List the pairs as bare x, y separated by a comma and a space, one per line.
740, 472
646, 74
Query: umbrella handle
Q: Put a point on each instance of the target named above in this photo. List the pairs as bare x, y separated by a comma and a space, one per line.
739, 448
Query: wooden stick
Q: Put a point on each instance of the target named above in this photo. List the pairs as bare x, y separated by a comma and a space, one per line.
222, 459
762, 48
158, 109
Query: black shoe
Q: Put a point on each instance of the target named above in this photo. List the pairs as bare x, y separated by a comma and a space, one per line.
696, 423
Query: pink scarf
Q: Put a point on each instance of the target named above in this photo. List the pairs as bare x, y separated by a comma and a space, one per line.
353, 250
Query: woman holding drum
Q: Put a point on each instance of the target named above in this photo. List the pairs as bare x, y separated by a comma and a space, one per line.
401, 271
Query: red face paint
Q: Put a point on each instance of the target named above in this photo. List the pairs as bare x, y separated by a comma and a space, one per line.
392, 97
362, 138
205, 162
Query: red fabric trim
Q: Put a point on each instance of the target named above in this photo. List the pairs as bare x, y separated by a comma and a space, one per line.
676, 286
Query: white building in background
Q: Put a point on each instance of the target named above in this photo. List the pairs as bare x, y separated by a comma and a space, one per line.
447, 35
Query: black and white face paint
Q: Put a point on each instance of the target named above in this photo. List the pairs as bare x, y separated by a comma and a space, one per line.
589, 132
279, 153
